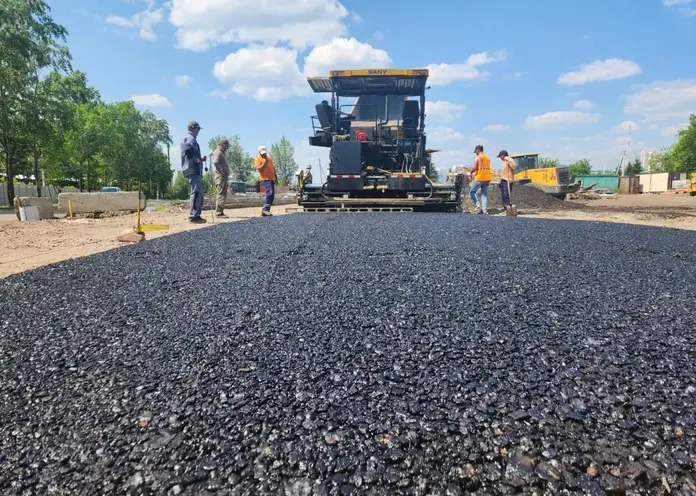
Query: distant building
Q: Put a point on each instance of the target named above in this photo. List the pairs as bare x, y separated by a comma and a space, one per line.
644, 160
647, 165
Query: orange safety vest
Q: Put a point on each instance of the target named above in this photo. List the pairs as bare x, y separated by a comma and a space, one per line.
268, 173
483, 173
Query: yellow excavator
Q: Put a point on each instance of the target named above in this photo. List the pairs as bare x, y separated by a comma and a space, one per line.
552, 180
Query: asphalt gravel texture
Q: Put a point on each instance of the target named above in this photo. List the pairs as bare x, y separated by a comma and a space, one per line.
415, 354
526, 197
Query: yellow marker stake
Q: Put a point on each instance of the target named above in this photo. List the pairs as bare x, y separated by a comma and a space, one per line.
70, 208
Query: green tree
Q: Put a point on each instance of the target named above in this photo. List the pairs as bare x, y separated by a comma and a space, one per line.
434, 174
49, 113
241, 164
684, 150
662, 162
30, 42
580, 168
633, 168
283, 154
547, 162
180, 189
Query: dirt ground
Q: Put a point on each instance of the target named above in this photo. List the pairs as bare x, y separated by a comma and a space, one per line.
28, 245
673, 211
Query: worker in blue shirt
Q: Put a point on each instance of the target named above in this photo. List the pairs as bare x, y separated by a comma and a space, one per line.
192, 168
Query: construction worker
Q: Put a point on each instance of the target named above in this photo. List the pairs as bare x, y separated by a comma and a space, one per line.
192, 169
267, 175
481, 174
222, 174
507, 177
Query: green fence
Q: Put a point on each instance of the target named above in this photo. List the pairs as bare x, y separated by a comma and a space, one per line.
609, 182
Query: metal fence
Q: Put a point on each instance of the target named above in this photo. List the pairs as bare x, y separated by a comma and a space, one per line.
30, 190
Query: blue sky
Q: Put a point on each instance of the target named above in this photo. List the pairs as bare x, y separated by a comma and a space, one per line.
566, 79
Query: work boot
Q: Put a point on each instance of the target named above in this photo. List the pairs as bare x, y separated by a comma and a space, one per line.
197, 220
221, 214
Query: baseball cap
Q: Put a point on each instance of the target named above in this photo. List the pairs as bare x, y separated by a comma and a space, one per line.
262, 149
503, 153
194, 125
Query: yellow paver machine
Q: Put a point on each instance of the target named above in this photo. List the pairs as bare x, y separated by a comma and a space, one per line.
378, 158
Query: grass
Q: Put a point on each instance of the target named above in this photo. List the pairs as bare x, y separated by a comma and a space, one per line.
160, 208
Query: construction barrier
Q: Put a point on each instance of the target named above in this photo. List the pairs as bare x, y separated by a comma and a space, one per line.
81, 203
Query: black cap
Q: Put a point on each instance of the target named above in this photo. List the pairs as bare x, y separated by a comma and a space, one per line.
194, 125
478, 148
503, 153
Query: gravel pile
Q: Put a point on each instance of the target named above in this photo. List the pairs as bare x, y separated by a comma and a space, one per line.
528, 198
389, 354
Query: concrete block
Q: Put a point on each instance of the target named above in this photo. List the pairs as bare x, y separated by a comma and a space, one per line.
44, 205
82, 203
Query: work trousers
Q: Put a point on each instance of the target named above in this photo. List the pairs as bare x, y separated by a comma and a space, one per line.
196, 183
269, 186
221, 187
483, 186
505, 190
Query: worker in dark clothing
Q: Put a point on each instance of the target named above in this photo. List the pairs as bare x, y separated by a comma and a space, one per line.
192, 169
507, 178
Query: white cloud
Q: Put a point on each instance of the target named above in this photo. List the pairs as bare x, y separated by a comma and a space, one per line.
558, 119
184, 80
447, 159
496, 127
600, 70
272, 74
671, 131
443, 111
515, 75
202, 24
670, 3
265, 73
219, 94
442, 134
476, 140
143, 21
305, 155
443, 74
626, 126
344, 53
584, 105
664, 100
152, 100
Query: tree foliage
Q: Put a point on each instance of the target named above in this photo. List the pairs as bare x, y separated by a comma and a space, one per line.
633, 168
547, 162
30, 42
53, 124
240, 162
681, 156
283, 154
582, 167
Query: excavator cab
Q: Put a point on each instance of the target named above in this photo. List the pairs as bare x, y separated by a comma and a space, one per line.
378, 158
